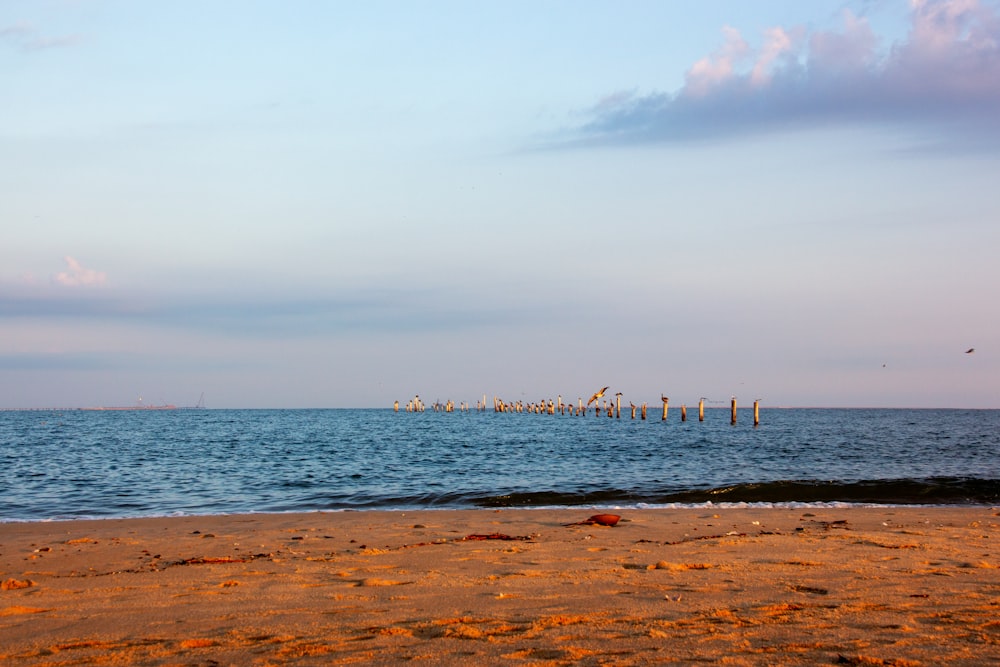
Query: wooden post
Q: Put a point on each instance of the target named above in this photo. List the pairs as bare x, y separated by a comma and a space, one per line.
633, 410
684, 413
666, 406
618, 405
732, 412
395, 406
701, 410
756, 413
644, 412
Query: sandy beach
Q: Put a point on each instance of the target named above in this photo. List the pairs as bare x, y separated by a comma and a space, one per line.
748, 586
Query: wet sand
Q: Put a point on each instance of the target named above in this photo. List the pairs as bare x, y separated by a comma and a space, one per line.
861, 586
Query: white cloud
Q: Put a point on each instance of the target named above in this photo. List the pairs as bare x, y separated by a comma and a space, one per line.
77, 275
28, 38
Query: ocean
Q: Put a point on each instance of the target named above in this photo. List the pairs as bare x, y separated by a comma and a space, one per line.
85, 464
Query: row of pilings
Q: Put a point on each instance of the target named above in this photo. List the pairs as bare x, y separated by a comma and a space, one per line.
612, 409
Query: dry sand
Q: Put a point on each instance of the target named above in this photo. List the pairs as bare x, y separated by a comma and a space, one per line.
862, 586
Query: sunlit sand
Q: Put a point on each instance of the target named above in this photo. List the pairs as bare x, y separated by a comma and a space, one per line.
867, 586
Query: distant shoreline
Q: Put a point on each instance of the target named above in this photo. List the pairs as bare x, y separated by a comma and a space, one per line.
742, 409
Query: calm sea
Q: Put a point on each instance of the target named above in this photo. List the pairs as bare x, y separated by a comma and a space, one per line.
74, 464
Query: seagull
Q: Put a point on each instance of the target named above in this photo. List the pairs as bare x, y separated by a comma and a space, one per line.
664, 398
596, 396
970, 350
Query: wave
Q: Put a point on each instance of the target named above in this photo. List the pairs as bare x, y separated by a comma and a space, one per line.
928, 491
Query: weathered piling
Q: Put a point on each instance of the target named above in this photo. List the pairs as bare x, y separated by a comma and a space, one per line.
602, 407
395, 406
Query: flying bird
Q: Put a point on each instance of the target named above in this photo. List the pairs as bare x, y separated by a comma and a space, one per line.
970, 350
596, 396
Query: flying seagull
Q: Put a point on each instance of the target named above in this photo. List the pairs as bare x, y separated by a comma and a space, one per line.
970, 350
596, 396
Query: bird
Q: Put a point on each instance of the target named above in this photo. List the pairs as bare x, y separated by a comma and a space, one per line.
970, 350
596, 396
664, 398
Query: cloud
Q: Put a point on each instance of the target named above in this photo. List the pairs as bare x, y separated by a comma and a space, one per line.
77, 275
56, 362
17, 31
945, 74
261, 317
27, 38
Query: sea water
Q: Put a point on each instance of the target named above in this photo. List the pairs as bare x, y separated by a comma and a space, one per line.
75, 464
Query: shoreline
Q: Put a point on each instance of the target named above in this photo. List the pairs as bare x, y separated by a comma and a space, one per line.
903, 585
597, 507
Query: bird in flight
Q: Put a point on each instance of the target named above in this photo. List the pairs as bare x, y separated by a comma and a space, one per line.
596, 396
970, 350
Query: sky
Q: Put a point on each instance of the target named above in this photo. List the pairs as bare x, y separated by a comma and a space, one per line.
334, 204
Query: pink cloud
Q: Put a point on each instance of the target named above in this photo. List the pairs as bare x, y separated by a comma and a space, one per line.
777, 44
76, 275
945, 72
718, 68
953, 49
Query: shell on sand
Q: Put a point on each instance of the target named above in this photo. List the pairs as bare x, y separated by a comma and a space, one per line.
604, 519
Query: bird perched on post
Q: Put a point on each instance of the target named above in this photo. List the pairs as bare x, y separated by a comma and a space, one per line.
664, 398
596, 396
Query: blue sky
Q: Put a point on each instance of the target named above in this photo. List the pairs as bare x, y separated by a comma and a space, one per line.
320, 204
